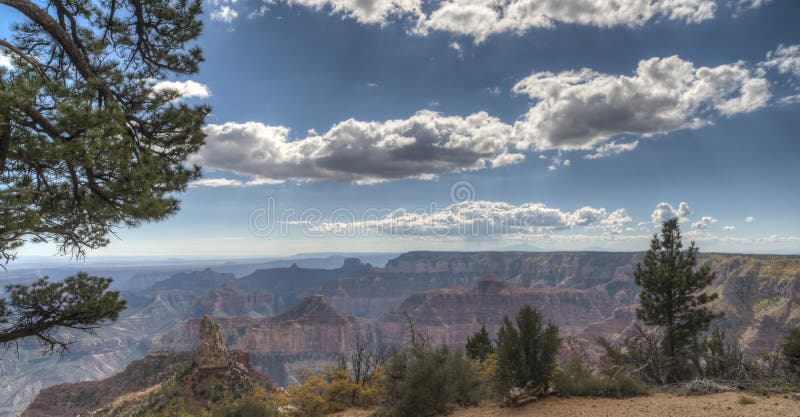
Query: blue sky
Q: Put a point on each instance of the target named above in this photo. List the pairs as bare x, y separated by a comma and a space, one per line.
567, 124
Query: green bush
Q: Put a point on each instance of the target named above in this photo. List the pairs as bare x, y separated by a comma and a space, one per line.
425, 382
526, 352
576, 380
479, 345
642, 355
247, 408
722, 358
462, 375
791, 354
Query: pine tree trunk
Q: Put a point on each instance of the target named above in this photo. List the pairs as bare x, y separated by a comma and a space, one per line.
669, 340
668, 351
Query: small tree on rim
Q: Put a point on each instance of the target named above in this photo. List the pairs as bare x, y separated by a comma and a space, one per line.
479, 345
673, 293
526, 352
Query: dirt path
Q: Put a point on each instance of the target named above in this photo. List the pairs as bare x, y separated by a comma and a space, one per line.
660, 405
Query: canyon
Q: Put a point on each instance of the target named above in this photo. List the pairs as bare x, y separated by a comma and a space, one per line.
293, 317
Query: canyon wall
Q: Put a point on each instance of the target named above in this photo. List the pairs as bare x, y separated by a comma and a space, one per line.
449, 316
308, 335
383, 289
586, 294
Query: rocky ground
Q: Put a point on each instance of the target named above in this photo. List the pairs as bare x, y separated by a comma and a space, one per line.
661, 405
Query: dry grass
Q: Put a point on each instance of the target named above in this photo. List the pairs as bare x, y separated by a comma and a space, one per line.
745, 400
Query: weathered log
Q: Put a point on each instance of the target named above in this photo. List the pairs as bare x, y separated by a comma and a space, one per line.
518, 397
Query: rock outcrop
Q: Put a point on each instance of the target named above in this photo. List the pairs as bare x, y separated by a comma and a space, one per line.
211, 351
188, 392
81, 398
164, 383
312, 326
310, 333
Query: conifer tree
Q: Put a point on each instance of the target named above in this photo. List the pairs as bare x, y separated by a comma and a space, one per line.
526, 353
790, 349
88, 143
42, 309
674, 293
479, 346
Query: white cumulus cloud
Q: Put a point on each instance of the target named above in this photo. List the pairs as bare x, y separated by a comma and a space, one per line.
558, 161
785, 59
480, 19
216, 182
752, 4
421, 146
224, 13
472, 218
369, 12
703, 223
5, 61
186, 89
616, 221
572, 110
228, 182
665, 211
579, 109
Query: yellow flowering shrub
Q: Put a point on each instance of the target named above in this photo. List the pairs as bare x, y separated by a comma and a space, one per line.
327, 391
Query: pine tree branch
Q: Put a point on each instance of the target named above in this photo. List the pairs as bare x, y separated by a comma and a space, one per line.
60, 35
